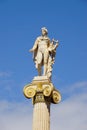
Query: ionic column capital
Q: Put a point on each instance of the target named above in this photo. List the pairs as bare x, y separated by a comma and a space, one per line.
42, 92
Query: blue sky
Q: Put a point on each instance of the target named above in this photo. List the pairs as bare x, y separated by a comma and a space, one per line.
20, 24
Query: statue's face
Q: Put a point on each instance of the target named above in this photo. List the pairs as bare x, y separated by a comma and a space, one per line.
44, 32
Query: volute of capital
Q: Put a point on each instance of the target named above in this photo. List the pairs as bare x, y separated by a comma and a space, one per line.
29, 91
47, 89
56, 96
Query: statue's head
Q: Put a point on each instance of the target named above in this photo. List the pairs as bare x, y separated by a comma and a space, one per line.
44, 31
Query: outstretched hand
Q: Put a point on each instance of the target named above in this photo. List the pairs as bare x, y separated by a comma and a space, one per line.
57, 44
31, 50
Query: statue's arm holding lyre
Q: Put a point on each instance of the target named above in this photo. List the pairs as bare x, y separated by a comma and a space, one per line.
55, 45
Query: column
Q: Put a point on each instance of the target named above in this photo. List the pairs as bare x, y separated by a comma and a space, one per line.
41, 116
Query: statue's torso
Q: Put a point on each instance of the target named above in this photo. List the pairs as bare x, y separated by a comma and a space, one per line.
43, 44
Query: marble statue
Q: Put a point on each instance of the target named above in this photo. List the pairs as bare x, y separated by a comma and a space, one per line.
44, 51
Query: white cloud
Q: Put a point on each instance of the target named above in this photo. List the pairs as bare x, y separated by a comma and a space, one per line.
70, 114
79, 87
15, 116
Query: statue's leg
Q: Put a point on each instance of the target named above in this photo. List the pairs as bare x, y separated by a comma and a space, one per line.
46, 54
39, 61
39, 70
45, 69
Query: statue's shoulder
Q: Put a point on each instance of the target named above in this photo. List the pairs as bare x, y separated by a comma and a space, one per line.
39, 37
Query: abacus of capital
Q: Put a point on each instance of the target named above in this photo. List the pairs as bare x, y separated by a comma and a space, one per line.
41, 90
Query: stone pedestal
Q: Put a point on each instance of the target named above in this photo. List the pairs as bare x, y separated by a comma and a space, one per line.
43, 93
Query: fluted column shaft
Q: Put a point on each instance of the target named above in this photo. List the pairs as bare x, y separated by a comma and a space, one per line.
41, 116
